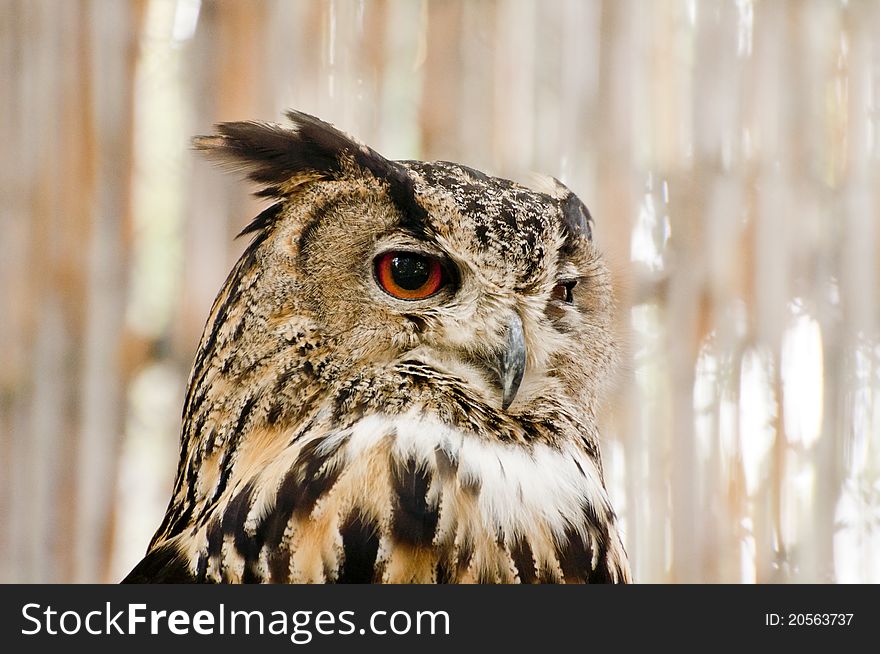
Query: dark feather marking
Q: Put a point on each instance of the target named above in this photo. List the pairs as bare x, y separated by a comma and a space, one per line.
602, 573
304, 429
264, 221
244, 414
251, 574
413, 216
234, 518
413, 522
598, 527
576, 219
233, 524
177, 518
419, 323
524, 560
348, 404
330, 571
443, 572
225, 473
601, 533
237, 331
465, 554
270, 191
360, 545
298, 492
575, 557
200, 421
279, 566
560, 326
193, 405
274, 413
163, 565
270, 530
202, 568
177, 515
545, 575
214, 536
340, 401
312, 479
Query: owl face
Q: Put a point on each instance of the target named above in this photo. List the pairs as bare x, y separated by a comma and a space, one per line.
492, 285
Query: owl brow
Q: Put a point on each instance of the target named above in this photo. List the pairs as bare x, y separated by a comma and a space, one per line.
416, 230
413, 216
401, 186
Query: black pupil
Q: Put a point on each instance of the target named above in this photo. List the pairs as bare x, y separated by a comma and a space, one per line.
410, 271
563, 292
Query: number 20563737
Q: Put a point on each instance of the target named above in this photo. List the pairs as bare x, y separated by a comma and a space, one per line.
808, 619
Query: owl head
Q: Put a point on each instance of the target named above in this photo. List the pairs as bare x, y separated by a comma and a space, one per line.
398, 380
394, 283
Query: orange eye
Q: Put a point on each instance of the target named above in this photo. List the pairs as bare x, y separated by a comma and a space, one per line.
409, 276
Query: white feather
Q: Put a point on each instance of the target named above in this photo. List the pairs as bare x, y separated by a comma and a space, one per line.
519, 486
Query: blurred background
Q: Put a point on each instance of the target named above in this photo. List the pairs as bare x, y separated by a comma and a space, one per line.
728, 150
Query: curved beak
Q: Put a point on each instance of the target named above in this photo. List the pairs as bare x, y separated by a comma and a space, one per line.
510, 362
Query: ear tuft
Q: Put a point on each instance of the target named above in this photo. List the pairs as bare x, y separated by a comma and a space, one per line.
280, 158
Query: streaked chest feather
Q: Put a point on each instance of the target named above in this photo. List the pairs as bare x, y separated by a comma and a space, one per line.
399, 499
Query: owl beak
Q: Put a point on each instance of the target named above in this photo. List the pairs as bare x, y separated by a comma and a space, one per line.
511, 362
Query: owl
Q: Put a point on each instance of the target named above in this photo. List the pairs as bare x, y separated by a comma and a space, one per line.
399, 381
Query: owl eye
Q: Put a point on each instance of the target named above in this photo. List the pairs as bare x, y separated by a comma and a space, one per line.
409, 276
563, 291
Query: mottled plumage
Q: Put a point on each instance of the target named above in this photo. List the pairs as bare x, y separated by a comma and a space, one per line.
334, 432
